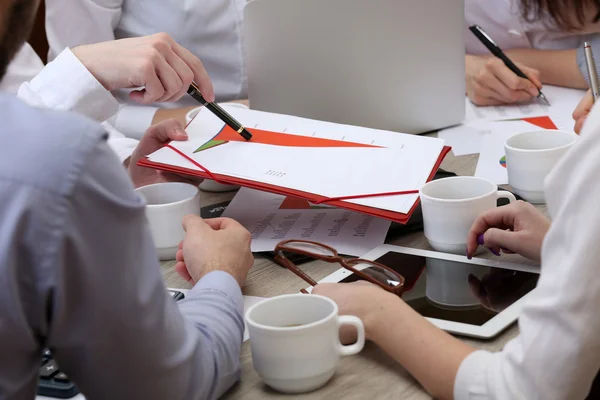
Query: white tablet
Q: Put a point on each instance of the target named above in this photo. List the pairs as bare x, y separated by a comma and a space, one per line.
478, 297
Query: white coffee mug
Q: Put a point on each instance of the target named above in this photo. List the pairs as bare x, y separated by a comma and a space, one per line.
530, 156
166, 205
448, 282
295, 341
451, 205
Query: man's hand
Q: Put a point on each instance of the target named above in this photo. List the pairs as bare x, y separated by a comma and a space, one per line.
583, 109
156, 137
490, 82
516, 228
156, 63
219, 244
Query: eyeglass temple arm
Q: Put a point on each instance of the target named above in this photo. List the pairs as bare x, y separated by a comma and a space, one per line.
292, 267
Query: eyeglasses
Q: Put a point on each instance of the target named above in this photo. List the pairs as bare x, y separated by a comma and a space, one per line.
373, 272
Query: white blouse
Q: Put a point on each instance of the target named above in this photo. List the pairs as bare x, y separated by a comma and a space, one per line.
557, 352
502, 20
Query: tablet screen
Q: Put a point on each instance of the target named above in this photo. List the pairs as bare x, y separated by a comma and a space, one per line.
455, 291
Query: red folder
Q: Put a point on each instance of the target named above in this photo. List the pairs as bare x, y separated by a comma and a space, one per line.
311, 197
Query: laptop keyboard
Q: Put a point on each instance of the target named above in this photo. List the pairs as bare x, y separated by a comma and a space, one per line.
55, 383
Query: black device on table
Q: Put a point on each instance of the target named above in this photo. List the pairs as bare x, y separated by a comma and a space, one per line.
55, 383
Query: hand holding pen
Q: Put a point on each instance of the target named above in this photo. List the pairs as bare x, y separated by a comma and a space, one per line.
498, 80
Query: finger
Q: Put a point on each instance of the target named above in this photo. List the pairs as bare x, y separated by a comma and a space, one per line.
511, 81
485, 96
496, 217
168, 78
584, 106
153, 89
200, 75
185, 73
179, 255
182, 271
495, 238
506, 93
222, 223
579, 124
532, 74
193, 223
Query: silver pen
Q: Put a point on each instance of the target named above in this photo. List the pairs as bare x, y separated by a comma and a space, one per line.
592, 71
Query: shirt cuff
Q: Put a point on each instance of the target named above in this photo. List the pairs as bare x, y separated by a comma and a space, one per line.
133, 121
223, 282
470, 380
66, 84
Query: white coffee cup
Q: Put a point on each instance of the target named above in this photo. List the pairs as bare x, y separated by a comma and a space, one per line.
448, 282
451, 205
295, 341
530, 156
166, 205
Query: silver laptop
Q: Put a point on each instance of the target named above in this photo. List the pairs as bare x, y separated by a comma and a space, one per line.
387, 64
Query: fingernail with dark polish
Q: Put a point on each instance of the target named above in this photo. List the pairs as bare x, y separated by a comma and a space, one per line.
468, 255
480, 239
495, 252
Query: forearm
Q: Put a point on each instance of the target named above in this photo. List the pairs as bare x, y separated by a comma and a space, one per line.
557, 67
429, 354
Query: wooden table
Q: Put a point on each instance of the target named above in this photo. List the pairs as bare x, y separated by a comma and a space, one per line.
369, 375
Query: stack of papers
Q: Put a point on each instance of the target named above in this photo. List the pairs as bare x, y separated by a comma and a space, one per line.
314, 160
486, 128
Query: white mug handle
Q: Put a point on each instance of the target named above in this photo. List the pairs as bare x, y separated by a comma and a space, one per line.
360, 329
503, 194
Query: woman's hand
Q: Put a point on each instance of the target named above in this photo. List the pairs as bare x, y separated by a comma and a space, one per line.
490, 82
516, 228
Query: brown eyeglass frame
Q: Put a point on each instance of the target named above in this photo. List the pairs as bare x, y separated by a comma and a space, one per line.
336, 258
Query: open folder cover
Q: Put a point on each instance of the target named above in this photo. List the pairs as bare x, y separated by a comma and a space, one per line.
360, 169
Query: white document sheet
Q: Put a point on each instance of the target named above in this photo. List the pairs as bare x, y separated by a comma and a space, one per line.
317, 157
272, 218
468, 138
562, 100
464, 139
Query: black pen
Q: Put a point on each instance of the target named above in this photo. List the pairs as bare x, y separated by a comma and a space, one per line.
219, 112
495, 50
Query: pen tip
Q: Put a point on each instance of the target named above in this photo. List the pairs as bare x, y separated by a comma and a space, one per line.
543, 97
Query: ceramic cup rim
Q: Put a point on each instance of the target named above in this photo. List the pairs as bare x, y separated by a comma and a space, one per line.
513, 149
140, 191
432, 199
282, 329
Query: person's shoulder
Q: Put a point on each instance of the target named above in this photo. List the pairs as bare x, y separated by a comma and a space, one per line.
43, 147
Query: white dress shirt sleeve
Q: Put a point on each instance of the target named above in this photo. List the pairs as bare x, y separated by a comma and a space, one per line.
65, 84
93, 21
115, 331
557, 352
